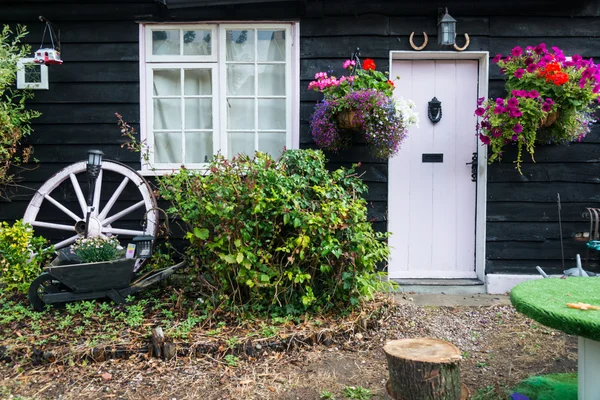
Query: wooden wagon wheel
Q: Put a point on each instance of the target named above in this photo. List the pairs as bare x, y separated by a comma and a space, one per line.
101, 223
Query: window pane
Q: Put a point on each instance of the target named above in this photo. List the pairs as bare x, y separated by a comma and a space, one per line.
271, 45
167, 147
167, 114
240, 80
271, 80
240, 45
198, 114
165, 42
167, 82
197, 82
272, 143
241, 142
240, 114
198, 147
271, 114
33, 73
197, 43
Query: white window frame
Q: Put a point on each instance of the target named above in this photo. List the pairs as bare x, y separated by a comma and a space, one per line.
23, 84
181, 58
150, 107
223, 83
148, 62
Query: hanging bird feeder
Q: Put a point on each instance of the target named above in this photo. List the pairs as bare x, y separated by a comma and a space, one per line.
49, 55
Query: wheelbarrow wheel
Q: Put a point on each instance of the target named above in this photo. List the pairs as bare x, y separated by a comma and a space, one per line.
42, 285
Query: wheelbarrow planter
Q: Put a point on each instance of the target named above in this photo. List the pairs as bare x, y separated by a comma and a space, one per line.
112, 279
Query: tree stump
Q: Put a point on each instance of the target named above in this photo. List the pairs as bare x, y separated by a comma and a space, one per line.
423, 369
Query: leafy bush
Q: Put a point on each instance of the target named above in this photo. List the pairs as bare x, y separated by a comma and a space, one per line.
284, 235
21, 255
14, 117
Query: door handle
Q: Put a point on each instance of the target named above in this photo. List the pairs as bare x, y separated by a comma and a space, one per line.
473, 165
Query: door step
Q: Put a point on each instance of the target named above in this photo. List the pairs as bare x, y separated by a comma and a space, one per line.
447, 286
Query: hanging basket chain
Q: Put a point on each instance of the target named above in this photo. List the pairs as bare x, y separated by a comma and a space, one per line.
49, 28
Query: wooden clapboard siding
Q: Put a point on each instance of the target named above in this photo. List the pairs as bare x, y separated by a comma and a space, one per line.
100, 76
522, 210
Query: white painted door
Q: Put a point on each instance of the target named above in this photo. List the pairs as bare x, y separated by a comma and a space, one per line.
431, 205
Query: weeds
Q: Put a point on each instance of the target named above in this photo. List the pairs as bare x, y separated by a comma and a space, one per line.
357, 393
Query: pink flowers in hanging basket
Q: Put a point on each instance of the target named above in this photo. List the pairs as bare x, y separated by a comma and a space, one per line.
550, 99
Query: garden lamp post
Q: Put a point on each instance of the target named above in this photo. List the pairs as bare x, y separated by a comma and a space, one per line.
94, 165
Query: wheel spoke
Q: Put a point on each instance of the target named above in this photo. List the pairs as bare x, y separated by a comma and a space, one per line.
62, 208
50, 225
122, 213
117, 231
113, 199
97, 190
66, 242
79, 193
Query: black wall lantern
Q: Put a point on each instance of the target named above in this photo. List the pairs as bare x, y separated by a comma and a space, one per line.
93, 167
434, 110
143, 246
446, 28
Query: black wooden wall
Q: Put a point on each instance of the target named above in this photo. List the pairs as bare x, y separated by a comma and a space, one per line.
100, 77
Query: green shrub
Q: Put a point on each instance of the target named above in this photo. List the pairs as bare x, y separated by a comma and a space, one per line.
280, 236
21, 255
14, 116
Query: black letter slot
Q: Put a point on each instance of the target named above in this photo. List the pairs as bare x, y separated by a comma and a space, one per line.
436, 157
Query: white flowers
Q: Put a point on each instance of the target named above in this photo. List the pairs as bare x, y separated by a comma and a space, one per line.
407, 109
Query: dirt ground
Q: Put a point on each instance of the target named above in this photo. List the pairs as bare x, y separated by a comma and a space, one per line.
499, 347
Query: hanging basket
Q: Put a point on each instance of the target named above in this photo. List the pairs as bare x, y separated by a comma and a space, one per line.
549, 120
347, 120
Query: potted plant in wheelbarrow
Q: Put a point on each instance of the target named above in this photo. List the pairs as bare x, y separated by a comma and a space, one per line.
89, 266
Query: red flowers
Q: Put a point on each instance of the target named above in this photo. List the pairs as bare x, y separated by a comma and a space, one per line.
368, 64
552, 72
391, 83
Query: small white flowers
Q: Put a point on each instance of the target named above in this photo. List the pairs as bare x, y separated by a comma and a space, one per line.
407, 110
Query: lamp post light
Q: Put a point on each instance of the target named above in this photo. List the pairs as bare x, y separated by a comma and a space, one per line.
94, 165
446, 29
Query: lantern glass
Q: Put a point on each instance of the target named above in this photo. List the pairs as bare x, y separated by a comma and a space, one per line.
446, 30
95, 158
143, 246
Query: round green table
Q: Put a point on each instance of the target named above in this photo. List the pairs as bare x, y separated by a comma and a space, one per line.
545, 300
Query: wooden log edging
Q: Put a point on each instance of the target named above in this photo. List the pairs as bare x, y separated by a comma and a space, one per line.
162, 347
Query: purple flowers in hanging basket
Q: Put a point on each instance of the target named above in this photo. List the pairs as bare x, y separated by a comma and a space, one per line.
375, 114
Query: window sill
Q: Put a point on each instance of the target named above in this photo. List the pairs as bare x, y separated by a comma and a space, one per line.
163, 172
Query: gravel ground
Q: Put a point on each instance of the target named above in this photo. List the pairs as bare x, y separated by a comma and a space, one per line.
499, 347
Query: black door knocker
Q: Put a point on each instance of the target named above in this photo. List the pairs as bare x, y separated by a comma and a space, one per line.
434, 111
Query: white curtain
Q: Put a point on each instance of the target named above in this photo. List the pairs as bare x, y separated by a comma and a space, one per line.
255, 69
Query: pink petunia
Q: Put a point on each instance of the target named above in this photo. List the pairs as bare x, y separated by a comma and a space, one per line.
514, 113
517, 51
518, 128
497, 58
533, 94
499, 110
519, 73
531, 68
480, 111
513, 102
484, 139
